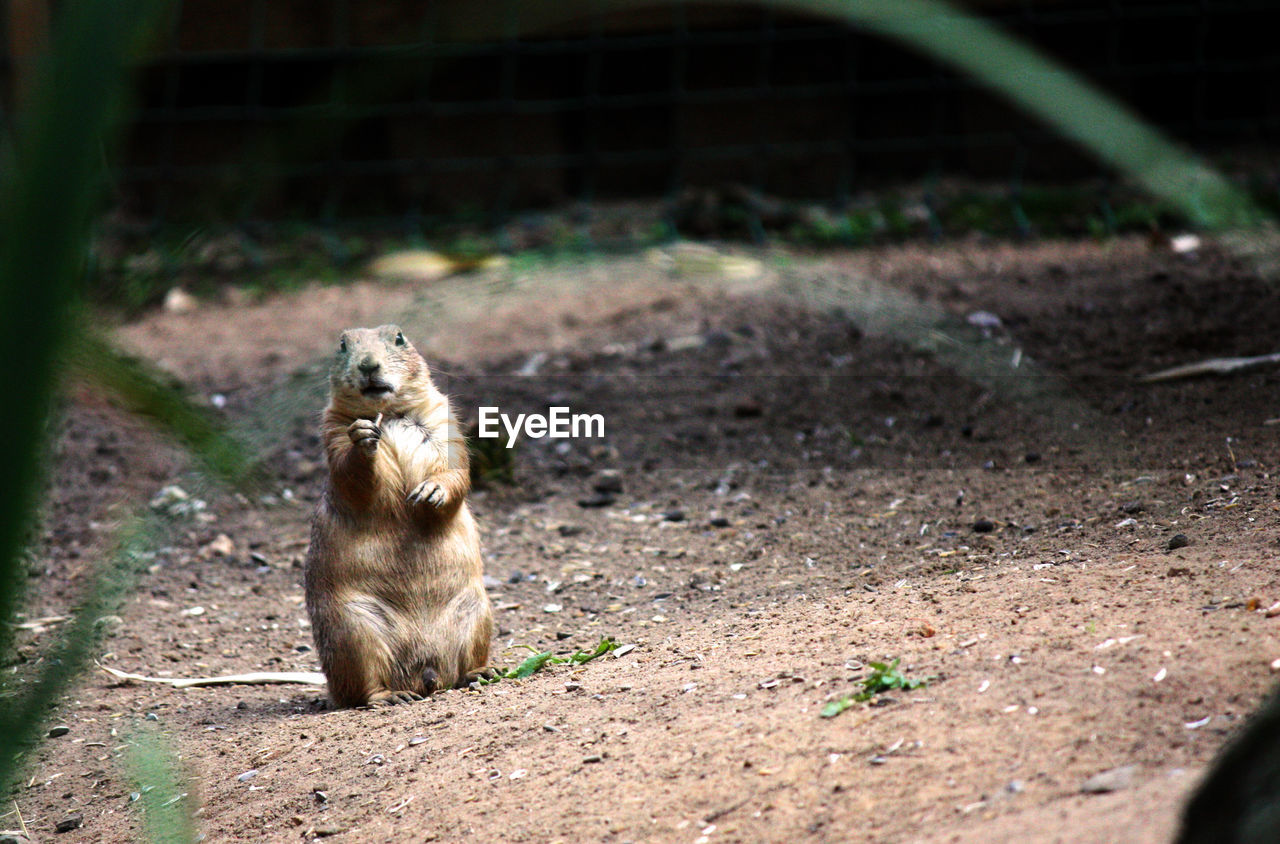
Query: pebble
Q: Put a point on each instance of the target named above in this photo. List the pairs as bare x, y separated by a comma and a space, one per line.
417, 740
69, 823
60, 730
248, 775
1108, 781
983, 319
598, 500
491, 582
570, 530
719, 522
608, 481
13, 836
552, 607
1178, 540
673, 516
588, 760
151, 716
176, 301
983, 526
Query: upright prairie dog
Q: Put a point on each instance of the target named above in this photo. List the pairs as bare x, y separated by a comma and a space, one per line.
394, 580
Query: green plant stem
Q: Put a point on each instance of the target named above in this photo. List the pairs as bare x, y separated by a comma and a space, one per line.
51, 185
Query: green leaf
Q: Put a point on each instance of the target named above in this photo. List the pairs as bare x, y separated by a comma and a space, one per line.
835, 707
606, 645
530, 666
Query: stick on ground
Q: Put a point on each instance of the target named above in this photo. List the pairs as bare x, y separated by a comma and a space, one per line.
260, 678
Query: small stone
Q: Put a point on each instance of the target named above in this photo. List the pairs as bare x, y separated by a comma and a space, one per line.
983, 319
302, 649
552, 607
983, 526
673, 516
13, 836
1108, 781
570, 530
598, 500
491, 582
1032, 457
1178, 540
221, 546
608, 481
258, 557
748, 409
69, 823
375, 759
417, 740
590, 760
248, 775
178, 301
60, 730
719, 522
151, 716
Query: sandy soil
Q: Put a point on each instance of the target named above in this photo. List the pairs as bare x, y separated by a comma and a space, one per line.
800, 496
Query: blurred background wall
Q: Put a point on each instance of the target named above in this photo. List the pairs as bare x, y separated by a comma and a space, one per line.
340, 110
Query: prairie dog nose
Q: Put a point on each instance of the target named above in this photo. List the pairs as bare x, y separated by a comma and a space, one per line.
368, 365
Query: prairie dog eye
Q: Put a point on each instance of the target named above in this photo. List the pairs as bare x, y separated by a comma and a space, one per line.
400, 341
342, 345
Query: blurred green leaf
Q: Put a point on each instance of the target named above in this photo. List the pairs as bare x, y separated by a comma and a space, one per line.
160, 790
143, 391
50, 187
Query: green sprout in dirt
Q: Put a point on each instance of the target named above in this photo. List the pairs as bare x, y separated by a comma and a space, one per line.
541, 660
884, 677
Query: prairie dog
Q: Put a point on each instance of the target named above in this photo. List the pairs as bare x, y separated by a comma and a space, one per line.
394, 580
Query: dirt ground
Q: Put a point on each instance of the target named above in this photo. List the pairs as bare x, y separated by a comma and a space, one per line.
801, 495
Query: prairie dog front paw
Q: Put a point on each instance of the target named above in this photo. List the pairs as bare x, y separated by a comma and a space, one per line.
430, 492
366, 433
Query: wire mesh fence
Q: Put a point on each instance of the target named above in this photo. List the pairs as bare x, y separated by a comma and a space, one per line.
427, 113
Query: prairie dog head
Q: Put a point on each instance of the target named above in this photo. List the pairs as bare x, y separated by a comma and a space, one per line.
377, 370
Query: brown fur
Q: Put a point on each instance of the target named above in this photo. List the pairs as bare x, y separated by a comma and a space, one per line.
394, 578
